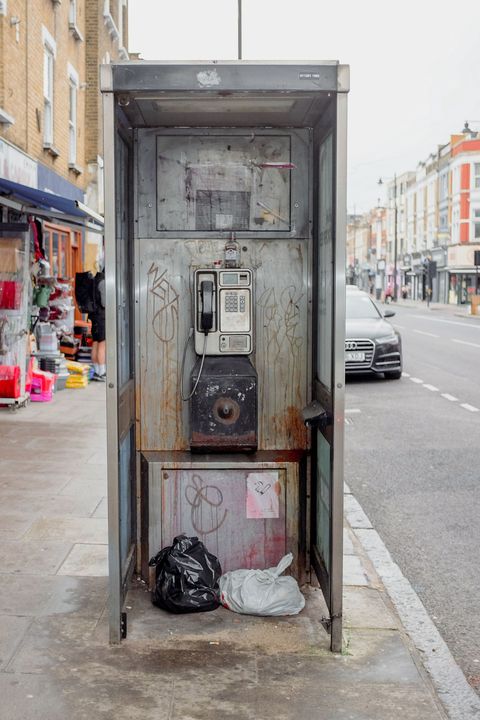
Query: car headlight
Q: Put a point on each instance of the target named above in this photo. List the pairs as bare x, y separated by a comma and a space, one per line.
392, 339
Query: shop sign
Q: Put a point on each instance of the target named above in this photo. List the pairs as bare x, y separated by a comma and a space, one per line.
50, 181
461, 255
16, 166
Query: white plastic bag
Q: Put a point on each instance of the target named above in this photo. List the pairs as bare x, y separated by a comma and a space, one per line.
262, 592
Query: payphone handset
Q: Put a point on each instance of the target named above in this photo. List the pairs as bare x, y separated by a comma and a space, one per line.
223, 311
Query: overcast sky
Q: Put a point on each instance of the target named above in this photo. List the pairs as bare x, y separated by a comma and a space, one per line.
414, 65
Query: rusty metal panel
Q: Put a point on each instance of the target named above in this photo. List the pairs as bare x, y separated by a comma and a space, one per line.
280, 357
195, 493
164, 318
270, 166
223, 410
281, 341
212, 504
281, 271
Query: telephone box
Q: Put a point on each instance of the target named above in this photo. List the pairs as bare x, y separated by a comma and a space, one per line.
225, 216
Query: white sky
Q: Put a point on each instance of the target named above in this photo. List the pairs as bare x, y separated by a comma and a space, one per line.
414, 65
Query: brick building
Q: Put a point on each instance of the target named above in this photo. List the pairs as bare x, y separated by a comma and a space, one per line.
50, 111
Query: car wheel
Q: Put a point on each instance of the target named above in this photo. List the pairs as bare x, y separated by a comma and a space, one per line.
394, 375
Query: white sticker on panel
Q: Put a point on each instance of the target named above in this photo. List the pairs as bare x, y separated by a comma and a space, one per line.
263, 495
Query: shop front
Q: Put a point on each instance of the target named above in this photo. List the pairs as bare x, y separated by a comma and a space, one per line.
417, 278
42, 247
464, 276
439, 278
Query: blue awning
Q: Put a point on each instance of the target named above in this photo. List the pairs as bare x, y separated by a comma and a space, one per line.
48, 204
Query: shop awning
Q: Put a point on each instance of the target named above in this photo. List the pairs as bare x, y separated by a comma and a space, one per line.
45, 204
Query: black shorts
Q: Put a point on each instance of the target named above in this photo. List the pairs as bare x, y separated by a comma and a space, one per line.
98, 326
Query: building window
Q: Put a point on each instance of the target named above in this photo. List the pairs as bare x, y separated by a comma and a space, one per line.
455, 180
72, 123
63, 250
120, 22
49, 53
72, 21
476, 173
48, 67
476, 224
455, 225
72, 14
443, 186
73, 85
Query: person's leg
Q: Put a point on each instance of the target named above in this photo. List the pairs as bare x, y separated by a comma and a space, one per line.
100, 337
102, 368
94, 353
98, 348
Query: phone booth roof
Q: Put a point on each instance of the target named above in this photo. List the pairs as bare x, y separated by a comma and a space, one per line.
221, 94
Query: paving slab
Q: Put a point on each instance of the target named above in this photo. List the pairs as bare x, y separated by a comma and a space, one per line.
51, 642
75, 530
14, 525
101, 511
37, 503
36, 596
348, 542
27, 477
365, 607
354, 572
30, 557
12, 629
87, 560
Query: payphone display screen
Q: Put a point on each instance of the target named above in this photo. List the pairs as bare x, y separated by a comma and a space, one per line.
224, 183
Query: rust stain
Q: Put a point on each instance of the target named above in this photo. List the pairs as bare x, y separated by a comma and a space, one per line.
233, 443
290, 425
288, 456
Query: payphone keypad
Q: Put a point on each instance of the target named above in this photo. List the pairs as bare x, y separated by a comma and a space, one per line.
231, 302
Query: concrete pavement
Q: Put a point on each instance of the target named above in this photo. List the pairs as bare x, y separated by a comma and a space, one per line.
55, 661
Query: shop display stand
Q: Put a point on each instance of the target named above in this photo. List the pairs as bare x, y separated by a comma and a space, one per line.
14, 301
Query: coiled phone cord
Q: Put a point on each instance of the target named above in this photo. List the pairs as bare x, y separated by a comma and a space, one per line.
182, 386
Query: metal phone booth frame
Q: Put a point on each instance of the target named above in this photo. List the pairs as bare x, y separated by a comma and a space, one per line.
200, 158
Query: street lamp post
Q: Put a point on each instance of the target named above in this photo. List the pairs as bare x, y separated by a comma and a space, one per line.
239, 26
395, 237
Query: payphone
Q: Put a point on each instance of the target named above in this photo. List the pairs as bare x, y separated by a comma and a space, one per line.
229, 330
223, 400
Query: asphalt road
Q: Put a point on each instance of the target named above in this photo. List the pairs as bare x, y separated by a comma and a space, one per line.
412, 459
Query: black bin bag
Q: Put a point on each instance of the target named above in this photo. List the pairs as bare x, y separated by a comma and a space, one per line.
186, 577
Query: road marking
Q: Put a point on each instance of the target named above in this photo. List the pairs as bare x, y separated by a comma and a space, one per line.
464, 342
420, 332
430, 387
471, 408
452, 398
352, 411
448, 322
405, 374
416, 380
